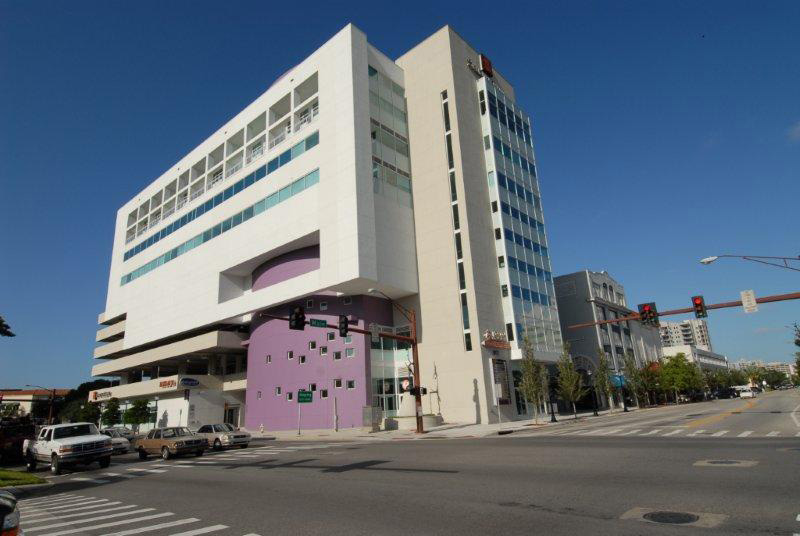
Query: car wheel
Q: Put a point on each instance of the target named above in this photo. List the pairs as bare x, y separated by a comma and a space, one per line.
217, 444
30, 463
55, 465
165, 453
105, 462
199, 453
142, 454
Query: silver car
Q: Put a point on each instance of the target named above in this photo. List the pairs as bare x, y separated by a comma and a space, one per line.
222, 436
118, 441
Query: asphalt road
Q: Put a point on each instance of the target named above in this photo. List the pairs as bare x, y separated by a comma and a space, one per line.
529, 483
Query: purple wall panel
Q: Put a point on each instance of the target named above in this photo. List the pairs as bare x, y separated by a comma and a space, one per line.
274, 338
286, 266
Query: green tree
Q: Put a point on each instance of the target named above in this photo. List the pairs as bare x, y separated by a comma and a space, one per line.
679, 375
754, 374
737, 377
774, 378
634, 376
651, 381
570, 383
602, 378
534, 378
111, 414
138, 413
80, 411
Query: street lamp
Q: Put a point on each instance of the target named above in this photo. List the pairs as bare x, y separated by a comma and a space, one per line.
52, 399
594, 393
156, 421
757, 258
411, 316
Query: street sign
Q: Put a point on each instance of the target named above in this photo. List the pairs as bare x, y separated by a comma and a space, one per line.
318, 323
749, 301
304, 397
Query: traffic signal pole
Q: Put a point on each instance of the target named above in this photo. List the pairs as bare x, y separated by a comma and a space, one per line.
723, 305
412, 318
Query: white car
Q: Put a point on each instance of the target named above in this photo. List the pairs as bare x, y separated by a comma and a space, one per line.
222, 436
120, 444
747, 393
62, 444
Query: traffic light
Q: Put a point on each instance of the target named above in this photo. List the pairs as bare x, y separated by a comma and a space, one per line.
648, 314
699, 305
5, 329
297, 320
418, 391
344, 326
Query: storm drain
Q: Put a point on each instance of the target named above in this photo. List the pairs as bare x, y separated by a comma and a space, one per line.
671, 518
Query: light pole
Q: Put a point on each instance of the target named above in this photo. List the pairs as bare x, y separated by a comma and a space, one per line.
771, 261
52, 399
156, 421
594, 393
411, 316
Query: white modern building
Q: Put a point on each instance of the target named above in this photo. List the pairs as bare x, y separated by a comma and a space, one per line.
704, 359
305, 198
693, 331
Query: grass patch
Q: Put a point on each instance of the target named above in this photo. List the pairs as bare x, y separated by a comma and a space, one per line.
16, 478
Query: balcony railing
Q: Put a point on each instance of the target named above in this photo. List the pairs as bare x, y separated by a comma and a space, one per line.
216, 179
233, 169
256, 152
278, 139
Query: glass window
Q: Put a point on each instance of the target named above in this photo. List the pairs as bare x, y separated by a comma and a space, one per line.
467, 342
446, 118
456, 224
462, 283
464, 310
453, 193
449, 142
350, 352
459, 252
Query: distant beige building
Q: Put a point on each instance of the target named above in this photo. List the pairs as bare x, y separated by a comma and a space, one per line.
23, 399
693, 331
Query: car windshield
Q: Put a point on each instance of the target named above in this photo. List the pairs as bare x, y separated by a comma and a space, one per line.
175, 432
74, 431
228, 427
110, 433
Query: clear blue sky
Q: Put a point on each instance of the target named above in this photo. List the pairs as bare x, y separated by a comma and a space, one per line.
665, 132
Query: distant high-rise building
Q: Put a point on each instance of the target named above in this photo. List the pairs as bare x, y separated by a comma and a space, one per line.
693, 332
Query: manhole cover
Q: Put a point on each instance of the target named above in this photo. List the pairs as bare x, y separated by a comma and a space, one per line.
723, 462
672, 518
693, 415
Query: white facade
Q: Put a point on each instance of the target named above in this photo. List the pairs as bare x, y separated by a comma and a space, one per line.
705, 359
693, 331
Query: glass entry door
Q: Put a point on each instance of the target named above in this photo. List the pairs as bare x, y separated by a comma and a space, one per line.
232, 416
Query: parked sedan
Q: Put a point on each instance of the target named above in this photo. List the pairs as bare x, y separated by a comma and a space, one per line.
120, 444
222, 436
169, 442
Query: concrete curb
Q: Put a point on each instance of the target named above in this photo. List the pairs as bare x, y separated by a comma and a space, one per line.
22, 490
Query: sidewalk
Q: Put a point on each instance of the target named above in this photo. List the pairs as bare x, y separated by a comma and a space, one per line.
444, 431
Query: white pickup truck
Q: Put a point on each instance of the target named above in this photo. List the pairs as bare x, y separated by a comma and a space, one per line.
62, 444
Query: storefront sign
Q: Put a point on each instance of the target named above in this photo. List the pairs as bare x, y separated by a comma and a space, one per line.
166, 384
495, 339
102, 395
190, 382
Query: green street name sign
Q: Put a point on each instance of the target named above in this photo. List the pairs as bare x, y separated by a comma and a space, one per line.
304, 397
318, 323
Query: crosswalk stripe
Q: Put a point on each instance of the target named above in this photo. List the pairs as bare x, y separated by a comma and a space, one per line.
773, 434
745, 434
720, 433
112, 524
672, 433
206, 463
631, 432
119, 475
797, 435
651, 432
28, 520
136, 469
92, 480
204, 530
88, 520
92, 507
182, 466
61, 508
60, 503
51, 499
696, 433
154, 527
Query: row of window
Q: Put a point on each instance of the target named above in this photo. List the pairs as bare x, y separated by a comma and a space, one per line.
529, 295
323, 393
522, 217
524, 267
268, 202
527, 243
273, 165
506, 150
520, 191
513, 122
323, 351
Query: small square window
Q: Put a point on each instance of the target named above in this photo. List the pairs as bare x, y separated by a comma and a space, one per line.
312, 386
312, 345
347, 300
290, 354
348, 339
494, 206
337, 356
258, 395
331, 335
302, 359
268, 360
504, 289
337, 383
497, 234
501, 261
350, 352
323, 393
277, 391
309, 304
289, 396
323, 350
351, 384
323, 306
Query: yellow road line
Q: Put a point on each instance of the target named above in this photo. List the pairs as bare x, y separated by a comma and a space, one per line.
720, 416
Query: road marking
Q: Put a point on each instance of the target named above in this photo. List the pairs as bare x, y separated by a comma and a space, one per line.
92, 480
49, 500
27, 520
794, 416
204, 530
696, 433
136, 469
745, 434
773, 434
206, 463
60, 503
119, 475
720, 434
112, 524
182, 466
797, 434
87, 520
672, 433
604, 431
631, 432
720, 416
651, 432
154, 527
72, 506
43, 512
